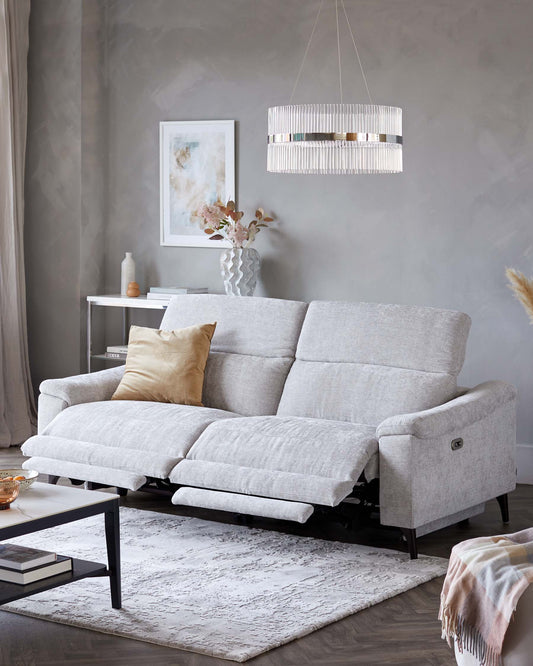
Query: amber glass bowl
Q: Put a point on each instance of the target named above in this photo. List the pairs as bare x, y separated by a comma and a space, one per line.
9, 491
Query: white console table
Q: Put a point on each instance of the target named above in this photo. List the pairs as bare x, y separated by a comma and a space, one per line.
117, 301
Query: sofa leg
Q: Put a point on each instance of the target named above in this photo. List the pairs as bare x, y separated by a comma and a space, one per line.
410, 537
503, 501
244, 519
122, 492
53, 479
76, 482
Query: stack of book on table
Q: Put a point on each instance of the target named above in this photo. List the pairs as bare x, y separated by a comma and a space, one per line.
22, 565
117, 351
165, 293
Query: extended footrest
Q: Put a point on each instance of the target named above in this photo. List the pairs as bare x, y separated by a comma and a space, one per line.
71, 470
248, 504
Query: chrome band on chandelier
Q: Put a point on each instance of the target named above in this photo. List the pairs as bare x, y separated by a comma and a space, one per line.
359, 137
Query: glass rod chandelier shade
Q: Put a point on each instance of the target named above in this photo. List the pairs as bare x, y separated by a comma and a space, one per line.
334, 139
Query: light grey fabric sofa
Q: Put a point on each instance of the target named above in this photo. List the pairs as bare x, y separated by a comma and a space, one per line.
303, 405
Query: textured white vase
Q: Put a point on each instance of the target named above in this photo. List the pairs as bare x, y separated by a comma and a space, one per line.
240, 268
127, 273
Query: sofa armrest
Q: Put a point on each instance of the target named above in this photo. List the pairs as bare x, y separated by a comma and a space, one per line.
425, 480
58, 394
465, 410
91, 387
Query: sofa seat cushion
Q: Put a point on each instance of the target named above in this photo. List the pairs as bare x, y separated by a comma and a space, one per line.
144, 437
299, 459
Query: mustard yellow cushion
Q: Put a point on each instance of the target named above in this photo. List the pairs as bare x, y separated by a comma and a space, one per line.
166, 366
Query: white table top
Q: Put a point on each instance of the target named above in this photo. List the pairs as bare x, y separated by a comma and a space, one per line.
44, 499
118, 301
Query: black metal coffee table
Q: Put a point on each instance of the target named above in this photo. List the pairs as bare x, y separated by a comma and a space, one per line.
44, 505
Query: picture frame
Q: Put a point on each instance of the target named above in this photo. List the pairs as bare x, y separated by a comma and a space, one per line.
197, 165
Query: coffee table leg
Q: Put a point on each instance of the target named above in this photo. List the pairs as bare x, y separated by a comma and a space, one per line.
112, 536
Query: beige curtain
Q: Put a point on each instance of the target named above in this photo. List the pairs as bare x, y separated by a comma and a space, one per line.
17, 406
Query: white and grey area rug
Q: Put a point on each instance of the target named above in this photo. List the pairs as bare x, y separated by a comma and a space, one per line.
221, 590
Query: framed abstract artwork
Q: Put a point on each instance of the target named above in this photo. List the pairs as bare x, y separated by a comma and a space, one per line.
197, 165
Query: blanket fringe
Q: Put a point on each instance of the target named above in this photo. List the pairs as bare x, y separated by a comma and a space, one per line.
467, 637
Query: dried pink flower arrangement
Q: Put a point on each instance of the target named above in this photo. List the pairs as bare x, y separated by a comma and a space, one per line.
223, 222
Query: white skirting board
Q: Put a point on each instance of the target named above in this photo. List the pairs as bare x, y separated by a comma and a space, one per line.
524, 463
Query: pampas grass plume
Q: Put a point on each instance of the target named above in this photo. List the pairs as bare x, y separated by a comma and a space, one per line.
522, 288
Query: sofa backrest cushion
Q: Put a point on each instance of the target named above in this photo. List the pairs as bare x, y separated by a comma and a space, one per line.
252, 349
364, 362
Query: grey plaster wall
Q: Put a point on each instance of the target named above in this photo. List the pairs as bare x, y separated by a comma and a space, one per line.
94, 161
439, 234
53, 187
66, 179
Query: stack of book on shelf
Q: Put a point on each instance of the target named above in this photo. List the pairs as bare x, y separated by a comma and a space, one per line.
165, 293
118, 352
22, 565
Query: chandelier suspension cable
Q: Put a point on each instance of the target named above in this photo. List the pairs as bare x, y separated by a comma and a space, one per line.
356, 52
338, 45
335, 138
306, 52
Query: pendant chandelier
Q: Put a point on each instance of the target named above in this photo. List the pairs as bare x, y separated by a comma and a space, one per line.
334, 138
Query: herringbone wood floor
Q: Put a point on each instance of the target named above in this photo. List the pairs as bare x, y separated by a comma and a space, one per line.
402, 630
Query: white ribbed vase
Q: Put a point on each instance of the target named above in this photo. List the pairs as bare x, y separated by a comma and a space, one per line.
240, 269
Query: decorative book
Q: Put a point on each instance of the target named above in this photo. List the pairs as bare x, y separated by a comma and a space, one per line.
164, 293
178, 290
117, 349
61, 565
159, 296
20, 558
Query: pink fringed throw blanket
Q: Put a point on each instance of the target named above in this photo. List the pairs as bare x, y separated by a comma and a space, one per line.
485, 580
